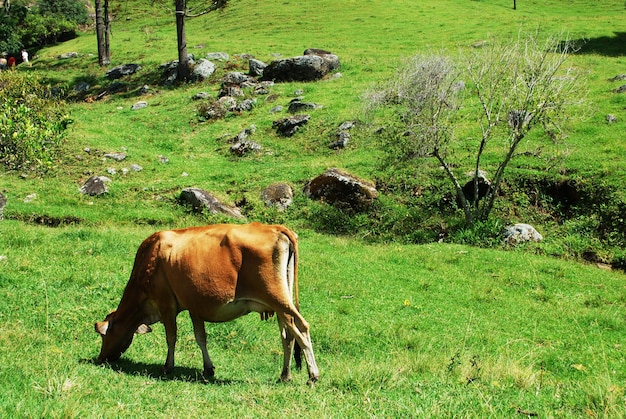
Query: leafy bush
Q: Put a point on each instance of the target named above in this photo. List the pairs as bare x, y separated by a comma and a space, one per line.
32, 124
42, 29
70, 10
9, 37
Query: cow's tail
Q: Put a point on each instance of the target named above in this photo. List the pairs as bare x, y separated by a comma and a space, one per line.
293, 270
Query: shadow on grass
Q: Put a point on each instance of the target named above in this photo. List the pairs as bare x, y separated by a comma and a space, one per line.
155, 371
608, 46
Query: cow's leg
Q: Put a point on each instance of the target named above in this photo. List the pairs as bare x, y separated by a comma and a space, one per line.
299, 328
200, 334
169, 321
287, 340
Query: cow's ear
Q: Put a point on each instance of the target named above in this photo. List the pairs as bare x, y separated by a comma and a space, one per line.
102, 327
143, 329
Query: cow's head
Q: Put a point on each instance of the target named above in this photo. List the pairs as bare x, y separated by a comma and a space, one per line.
117, 335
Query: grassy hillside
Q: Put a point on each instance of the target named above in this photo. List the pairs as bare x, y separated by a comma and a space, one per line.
371, 41
437, 329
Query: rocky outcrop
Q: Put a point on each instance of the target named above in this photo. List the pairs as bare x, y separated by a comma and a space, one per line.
342, 190
201, 200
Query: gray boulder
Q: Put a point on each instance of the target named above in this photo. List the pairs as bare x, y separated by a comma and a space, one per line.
256, 67
116, 156
279, 195
521, 233
287, 127
297, 105
343, 138
202, 200
203, 69
342, 190
139, 105
95, 186
308, 67
218, 56
122, 70
244, 147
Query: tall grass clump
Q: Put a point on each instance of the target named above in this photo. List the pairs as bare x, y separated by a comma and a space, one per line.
32, 123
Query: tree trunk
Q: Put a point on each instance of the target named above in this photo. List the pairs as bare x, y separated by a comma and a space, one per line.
102, 32
183, 60
107, 32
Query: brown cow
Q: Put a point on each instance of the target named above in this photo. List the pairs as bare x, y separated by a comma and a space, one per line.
217, 273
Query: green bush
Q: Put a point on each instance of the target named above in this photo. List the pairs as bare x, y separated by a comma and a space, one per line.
70, 10
43, 29
32, 124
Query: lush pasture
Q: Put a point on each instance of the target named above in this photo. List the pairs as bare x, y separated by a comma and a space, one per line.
399, 330
435, 330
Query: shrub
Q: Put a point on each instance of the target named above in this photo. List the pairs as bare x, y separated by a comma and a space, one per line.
32, 124
72, 10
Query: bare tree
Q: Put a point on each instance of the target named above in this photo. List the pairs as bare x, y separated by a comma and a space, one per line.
514, 88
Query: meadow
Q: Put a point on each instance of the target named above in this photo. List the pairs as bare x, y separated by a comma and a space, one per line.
400, 329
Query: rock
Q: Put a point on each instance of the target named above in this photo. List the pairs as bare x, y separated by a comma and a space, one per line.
201, 96
227, 103
122, 70
620, 89
346, 125
143, 90
95, 186
245, 105
276, 109
139, 105
256, 67
279, 195
611, 118
342, 190
619, 77
308, 67
82, 87
30, 198
236, 78
288, 126
230, 90
218, 56
136, 168
296, 105
244, 147
3, 203
484, 185
67, 55
342, 141
202, 70
200, 199
116, 156
521, 233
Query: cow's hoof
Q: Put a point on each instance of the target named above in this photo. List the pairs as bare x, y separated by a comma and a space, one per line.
284, 379
312, 381
209, 373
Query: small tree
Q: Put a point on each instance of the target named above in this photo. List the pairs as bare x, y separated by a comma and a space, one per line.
514, 88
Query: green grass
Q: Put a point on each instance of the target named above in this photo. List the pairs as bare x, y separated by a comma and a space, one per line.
437, 330
399, 330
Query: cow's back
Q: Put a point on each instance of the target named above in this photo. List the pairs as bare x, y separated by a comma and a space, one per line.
212, 266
